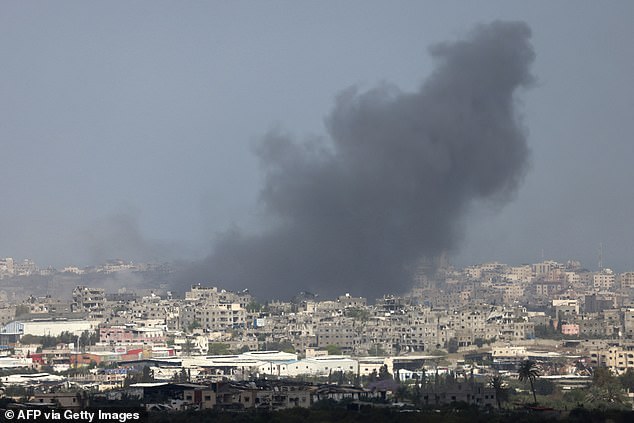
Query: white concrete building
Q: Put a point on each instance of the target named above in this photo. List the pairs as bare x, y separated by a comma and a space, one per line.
319, 366
55, 328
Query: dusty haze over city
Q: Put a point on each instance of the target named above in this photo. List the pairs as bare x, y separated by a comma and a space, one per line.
229, 134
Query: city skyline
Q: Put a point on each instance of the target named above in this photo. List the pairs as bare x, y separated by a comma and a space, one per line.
132, 137
26, 277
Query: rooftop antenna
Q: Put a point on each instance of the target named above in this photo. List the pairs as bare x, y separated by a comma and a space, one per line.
600, 257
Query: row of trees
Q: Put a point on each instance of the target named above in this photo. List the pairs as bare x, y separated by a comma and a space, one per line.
48, 341
606, 390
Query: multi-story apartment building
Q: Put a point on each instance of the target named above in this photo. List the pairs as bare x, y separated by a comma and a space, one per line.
25, 267
6, 267
131, 334
116, 265
572, 277
348, 301
540, 270
509, 324
604, 280
626, 280
511, 291
340, 331
214, 309
422, 329
214, 317
522, 273
615, 358
596, 303
547, 289
628, 323
469, 324
473, 272
606, 324
565, 307
90, 300
218, 296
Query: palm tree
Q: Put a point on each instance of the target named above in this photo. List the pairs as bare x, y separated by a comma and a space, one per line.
605, 388
528, 371
497, 383
188, 347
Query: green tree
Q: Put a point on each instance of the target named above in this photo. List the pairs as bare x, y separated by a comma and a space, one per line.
545, 387
606, 389
285, 346
21, 309
194, 325
147, 375
243, 349
501, 393
602, 376
358, 313
378, 350
384, 374
218, 348
401, 393
548, 331
184, 376
423, 378
575, 397
88, 338
627, 379
66, 338
30, 339
340, 377
528, 371
49, 341
254, 306
452, 346
333, 349
188, 347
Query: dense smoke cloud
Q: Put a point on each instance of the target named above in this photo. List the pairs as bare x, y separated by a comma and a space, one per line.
356, 213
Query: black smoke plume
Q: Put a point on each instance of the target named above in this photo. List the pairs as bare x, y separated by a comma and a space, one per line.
355, 213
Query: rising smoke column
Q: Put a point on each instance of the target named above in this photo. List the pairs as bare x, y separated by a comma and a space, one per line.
356, 213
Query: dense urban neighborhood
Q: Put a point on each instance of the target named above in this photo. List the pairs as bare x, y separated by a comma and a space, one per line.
547, 337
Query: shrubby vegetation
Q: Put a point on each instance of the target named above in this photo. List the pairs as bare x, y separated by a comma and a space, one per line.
47, 341
332, 412
285, 346
218, 348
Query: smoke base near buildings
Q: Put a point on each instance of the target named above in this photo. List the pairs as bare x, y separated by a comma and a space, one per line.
393, 180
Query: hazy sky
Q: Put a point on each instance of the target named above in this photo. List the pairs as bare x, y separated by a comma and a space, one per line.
127, 128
